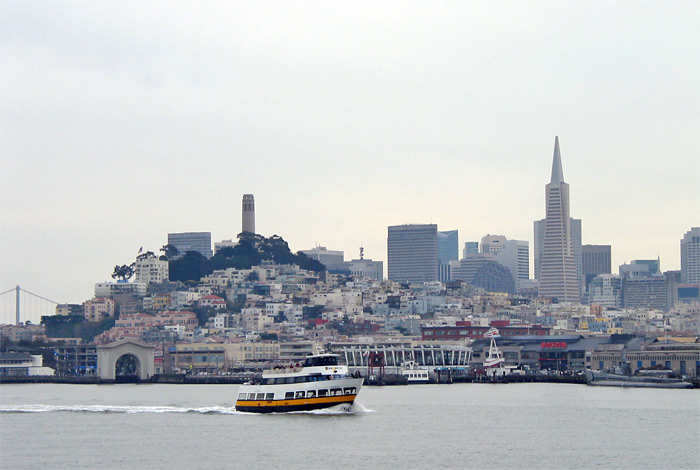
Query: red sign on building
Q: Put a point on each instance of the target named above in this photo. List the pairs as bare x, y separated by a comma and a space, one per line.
553, 345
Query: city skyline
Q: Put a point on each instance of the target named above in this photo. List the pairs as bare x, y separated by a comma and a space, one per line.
116, 131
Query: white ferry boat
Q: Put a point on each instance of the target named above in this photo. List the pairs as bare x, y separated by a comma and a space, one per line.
414, 373
320, 382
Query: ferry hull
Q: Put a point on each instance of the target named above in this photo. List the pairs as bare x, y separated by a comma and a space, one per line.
285, 406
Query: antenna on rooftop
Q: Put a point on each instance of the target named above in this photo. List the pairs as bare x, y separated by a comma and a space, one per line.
362, 253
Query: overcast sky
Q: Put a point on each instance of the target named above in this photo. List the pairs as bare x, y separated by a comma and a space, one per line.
124, 121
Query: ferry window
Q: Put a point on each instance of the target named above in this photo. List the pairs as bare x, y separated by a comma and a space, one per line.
269, 396
336, 391
311, 394
289, 380
323, 393
299, 380
289, 395
350, 391
260, 396
241, 396
251, 396
300, 395
279, 380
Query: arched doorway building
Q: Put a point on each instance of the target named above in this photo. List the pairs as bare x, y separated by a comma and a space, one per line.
125, 358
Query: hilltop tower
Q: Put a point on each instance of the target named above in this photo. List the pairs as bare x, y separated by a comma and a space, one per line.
558, 273
248, 224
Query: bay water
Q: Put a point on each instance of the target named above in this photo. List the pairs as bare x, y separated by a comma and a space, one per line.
485, 426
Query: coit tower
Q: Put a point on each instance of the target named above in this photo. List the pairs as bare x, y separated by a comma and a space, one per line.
248, 213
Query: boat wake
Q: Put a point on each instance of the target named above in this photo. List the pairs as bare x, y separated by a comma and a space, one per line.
338, 410
218, 410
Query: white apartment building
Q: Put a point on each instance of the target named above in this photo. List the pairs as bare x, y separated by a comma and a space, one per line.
151, 270
336, 298
366, 269
255, 319
109, 289
98, 309
183, 299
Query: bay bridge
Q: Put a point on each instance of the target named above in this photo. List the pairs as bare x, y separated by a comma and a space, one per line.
18, 305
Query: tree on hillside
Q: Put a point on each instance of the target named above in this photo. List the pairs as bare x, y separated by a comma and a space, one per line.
251, 250
310, 264
192, 266
145, 256
123, 272
276, 249
169, 252
246, 252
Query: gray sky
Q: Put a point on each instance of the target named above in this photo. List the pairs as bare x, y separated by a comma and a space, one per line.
124, 121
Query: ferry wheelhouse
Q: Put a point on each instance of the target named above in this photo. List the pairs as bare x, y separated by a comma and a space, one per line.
320, 382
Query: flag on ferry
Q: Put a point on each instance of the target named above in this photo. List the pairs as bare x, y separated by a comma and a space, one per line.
492, 333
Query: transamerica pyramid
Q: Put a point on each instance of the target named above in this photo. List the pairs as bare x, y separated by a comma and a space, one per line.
558, 278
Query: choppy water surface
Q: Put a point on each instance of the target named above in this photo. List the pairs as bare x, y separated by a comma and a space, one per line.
423, 426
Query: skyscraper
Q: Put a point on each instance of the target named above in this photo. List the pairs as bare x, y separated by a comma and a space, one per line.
513, 254
248, 224
690, 257
448, 250
575, 240
412, 253
482, 270
596, 260
470, 247
192, 241
558, 278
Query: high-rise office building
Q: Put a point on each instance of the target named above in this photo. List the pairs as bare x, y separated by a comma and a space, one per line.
482, 270
412, 253
595, 260
645, 292
333, 260
513, 254
558, 277
191, 241
575, 240
690, 257
248, 204
448, 250
470, 247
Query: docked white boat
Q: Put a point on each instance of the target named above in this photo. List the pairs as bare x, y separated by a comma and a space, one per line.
413, 373
494, 362
320, 382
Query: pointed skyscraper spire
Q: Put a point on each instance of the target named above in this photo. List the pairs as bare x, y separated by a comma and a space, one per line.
557, 172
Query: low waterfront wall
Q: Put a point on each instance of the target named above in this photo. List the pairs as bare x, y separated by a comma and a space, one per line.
385, 380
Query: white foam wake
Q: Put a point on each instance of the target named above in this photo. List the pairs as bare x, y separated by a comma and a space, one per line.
343, 409
114, 409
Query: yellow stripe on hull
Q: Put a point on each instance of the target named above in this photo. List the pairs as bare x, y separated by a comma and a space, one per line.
336, 400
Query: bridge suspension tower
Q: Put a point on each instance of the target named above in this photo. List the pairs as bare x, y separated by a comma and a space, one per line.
30, 297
